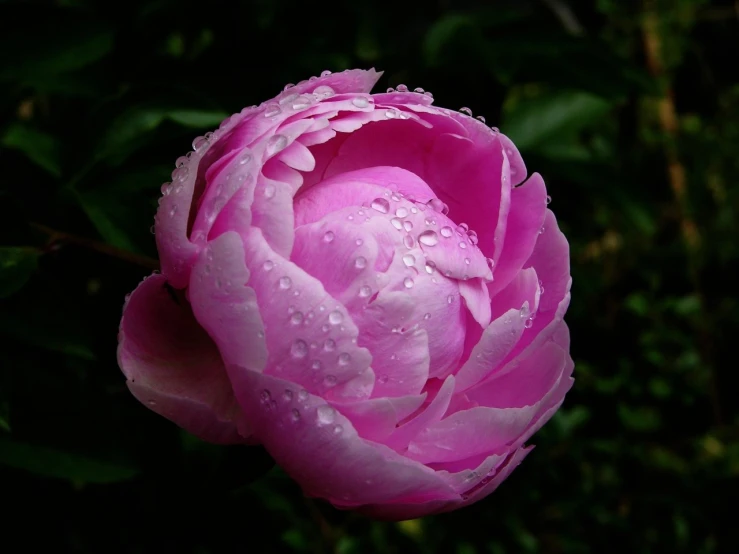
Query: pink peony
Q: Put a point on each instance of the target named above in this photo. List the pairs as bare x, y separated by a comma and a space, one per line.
365, 284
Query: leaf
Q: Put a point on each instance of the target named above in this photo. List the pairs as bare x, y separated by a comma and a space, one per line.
17, 264
41, 148
98, 207
50, 462
442, 32
535, 122
132, 128
49, 49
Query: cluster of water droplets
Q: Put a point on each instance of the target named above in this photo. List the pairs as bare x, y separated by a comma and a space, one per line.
294, 406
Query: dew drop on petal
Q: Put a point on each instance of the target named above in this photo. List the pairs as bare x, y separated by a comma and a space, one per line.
438, 206
328, 236
296, 318
276, 144
446, 231
269, 190
401, 212
272, 110
295, 415
365, 291
390, 114
407, 225
395, 222
360, 102
335, 317
549, 199
285, 282
360, 262
409, 260
329, 380
449, 299
329, 345
409, 241
325, 414
344, 359
299, 349
428, 238
381, 205
408, 283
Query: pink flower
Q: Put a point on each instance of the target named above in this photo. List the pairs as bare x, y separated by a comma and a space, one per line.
367, 285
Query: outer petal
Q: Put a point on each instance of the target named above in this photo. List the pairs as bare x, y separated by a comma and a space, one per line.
322, 451
173, 367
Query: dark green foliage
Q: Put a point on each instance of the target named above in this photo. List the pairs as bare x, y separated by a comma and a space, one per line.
638, 144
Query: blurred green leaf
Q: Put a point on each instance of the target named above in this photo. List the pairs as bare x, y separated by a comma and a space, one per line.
134, 127
442, 32
41, 148
536, 122
17, 264
49, 49
50, 462
642, 418
99, 206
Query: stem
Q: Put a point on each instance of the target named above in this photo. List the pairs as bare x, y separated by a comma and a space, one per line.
97, 246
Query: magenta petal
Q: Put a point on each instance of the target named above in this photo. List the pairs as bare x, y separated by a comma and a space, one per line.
375, 419
316, 445
173, 367
351, 80
525, 220
310, 336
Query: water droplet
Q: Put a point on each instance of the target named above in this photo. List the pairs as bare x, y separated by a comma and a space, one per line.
288, 86
381, 205
541, 230
414, 210
407, 225
360, 102
401, 212
360, 262
272, 110
180, 174
265, 396
359, 242
427, 316
472, 235
364, 291
285, 282
549, 199
199, 143
389, 90
324, 91
328, 236
395, 222
245, 159
409, 260
419, 90
166, 188
529, 323
287, 396
481, 118
329, 380
490, 262
382, 379
524, 311
428, 238
462, 229
390, 114
402, 88
295, 415
408, 283
344, 359
335, 317
299, 348
438, 206
302, 395
276, 144
466, 111
269, 190
325, 73
325, 414
338, 429
296, 318
450, 299
429, 267
467, 261
463, 244
446, 231
329, 345
152, 229
316, 365
173, 211
409, 241
300, 103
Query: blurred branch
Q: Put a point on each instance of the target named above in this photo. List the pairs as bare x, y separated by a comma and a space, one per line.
56, 237
566, 17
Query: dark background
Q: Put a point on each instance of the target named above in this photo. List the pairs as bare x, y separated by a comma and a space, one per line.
629, 109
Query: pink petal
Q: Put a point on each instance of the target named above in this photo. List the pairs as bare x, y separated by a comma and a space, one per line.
317, 446
311, 338
525, 219
375, 419
225, 306
351, 80
173, 367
